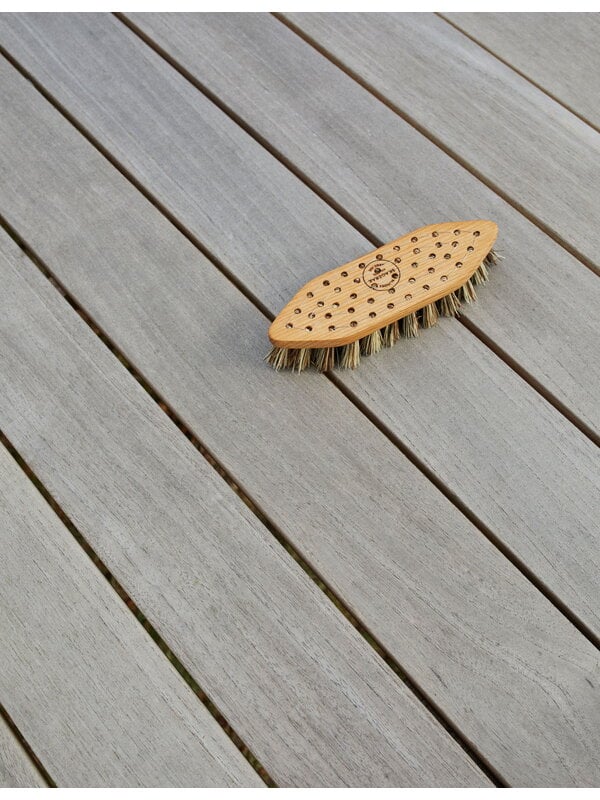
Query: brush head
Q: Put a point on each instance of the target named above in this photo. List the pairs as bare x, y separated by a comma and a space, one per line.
384, 287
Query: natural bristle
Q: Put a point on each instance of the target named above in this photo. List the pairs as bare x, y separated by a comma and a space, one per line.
429, 316
347, 356
409, 326
371, 344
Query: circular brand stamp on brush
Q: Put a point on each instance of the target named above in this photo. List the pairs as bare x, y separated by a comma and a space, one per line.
381, 274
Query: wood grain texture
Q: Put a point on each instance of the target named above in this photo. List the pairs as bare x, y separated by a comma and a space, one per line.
90, 691
490, 650
16, 768
559, 52
302, 687
384, 285
248, 214
543, 157
384, 173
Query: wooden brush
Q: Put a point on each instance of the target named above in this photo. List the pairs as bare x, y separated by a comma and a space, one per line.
372, 301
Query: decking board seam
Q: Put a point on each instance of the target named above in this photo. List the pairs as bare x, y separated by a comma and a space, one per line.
135, 610
24, 744
521, 74
546, 229
468, 747
371, 416
126, 176
376, 241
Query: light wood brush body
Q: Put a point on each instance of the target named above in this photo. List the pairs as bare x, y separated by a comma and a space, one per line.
372, 301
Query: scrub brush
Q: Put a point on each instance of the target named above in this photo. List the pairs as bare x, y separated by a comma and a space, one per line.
369, 303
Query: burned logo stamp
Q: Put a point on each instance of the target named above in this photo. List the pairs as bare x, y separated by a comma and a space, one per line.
381, 274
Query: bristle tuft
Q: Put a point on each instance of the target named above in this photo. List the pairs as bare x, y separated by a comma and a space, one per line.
492, 258
466, 293
371, 344
448, 306
409, 326
299, 360
278, 358
390, 334
324, 358
429, 316
350, 356
481, 275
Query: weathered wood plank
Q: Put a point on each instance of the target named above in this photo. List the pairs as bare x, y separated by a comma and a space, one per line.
535, 309
295, 679
558, 51
16, 768
248, 214
539, 154
89, 690
459, 617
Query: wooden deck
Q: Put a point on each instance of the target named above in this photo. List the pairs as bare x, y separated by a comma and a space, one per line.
217, 575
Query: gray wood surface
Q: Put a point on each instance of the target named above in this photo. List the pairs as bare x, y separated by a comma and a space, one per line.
539, 304
542, 156
307, 693
89, 690
489, 649
557, 51
520, 467
16, 768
